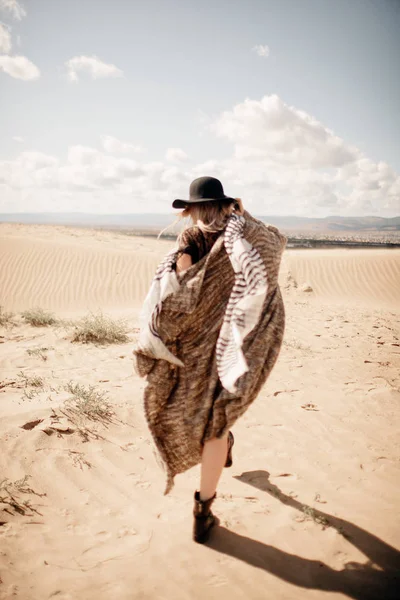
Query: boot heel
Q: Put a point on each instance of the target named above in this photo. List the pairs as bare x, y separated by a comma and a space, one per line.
204, 520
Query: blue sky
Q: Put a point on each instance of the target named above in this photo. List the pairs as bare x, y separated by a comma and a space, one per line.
117, 106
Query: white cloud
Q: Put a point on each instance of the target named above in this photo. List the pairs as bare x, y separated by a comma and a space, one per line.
88, 168
29, 172
271, 131
283, 161
5, 39
261, 50
82, 155
14, 8
18, 138
175, 155
33, 161
92, 65
292, 160
115, 146
19, 67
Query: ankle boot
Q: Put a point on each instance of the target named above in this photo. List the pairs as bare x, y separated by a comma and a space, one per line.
203, 518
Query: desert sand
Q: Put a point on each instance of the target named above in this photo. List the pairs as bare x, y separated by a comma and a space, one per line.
309, 508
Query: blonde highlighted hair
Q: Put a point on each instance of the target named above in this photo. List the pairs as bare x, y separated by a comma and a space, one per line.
210, 217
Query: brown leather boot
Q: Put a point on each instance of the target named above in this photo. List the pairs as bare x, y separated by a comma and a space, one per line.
203, 518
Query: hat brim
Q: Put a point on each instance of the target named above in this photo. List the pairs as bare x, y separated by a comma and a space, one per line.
183, 203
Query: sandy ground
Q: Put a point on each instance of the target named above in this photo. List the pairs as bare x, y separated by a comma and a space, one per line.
309, 508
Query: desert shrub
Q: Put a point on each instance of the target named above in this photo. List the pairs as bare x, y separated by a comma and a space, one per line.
100, 329
38, 317
33, 385
10, 496
89, 402
39, 352
6, 318
31, 380
314, 515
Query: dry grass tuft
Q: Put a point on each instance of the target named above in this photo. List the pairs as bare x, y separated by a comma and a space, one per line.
6, 318
100, 329
88, 402
10, 496
38, 317
31, 381
296, 345
39, 352
314, 515
33, 384
79, 460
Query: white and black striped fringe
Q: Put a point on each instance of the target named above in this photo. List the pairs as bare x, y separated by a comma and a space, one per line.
165, 282
244, 306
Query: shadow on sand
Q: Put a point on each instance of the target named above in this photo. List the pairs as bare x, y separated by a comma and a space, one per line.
378, 579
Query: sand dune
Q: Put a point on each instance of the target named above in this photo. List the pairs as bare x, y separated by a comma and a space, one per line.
309, 509
364, 277
60, 273
75, 270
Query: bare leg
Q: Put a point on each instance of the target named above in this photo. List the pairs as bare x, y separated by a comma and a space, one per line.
212, 464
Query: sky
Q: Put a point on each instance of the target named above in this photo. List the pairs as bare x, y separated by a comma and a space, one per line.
115, 106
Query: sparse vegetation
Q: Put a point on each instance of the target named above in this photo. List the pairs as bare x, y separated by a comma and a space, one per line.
88, 402
6, 318
31, 381
314, 515
32, 385
100, 329
10, 492
39, 352
296, 345
38, 317
29, 394
79, 460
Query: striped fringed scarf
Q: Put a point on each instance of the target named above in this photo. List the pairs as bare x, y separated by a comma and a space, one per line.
244, 306
165, 282
242, 313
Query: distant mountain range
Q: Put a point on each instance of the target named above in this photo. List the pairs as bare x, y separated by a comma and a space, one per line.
157, 221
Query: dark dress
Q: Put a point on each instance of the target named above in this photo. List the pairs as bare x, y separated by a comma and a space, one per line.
196, 243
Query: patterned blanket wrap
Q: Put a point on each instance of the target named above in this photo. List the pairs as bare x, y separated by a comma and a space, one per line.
242, 312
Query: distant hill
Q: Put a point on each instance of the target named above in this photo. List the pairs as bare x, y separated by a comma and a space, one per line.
88, 219
335, 223
157, 221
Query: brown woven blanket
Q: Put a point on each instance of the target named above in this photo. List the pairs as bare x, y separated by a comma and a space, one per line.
185, 406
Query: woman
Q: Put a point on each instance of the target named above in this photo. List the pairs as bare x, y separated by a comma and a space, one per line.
211, 330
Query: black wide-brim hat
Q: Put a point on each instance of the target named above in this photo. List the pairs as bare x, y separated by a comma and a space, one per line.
204, 189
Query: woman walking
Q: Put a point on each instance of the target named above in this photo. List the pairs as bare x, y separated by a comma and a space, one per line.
211, 330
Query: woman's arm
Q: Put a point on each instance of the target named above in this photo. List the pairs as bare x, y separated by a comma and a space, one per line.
183, 263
